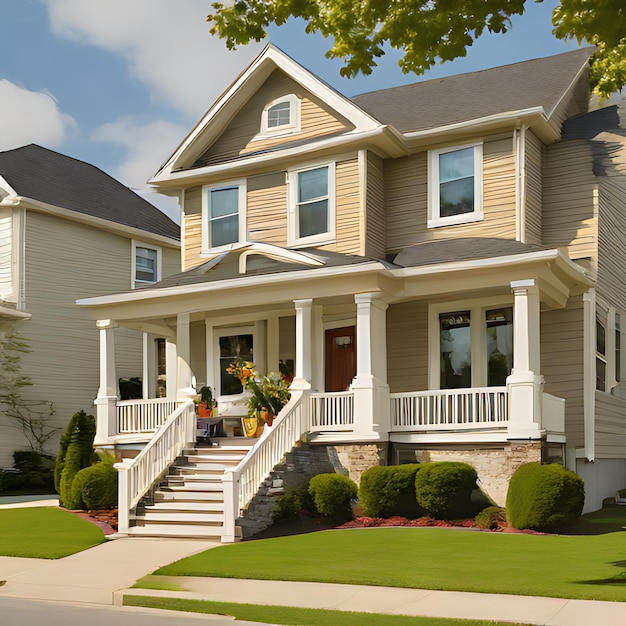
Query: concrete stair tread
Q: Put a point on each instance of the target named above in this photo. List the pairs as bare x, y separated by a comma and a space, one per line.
203, 458
175, 517
175, 496
190, 506
203, 467
180, 530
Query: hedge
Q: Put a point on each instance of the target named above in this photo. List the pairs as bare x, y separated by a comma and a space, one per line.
444, 489
332, 494
389, 490
544, 497
95, 487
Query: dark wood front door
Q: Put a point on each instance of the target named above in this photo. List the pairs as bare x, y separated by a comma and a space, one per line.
340, 358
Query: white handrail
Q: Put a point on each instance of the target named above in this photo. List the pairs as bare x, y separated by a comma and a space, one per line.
143, 416
331, 411
449, 409
136, 476
241, 483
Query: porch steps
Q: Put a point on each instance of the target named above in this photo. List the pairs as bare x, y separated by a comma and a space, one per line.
190, 500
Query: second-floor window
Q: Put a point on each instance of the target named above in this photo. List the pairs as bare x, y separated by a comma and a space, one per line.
224, 218
146, 265
312, 205
281, 116
455, 185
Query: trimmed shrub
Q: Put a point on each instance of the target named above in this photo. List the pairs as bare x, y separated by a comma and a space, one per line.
75, 452
490, 517
95, 487
544, 497
389, 490
332, 494
291, 504
444, 489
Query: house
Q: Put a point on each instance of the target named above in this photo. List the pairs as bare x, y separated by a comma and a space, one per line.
68, 230
442, 264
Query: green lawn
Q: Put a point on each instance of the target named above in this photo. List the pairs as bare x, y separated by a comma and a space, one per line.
587, 567
290, 615
45, 533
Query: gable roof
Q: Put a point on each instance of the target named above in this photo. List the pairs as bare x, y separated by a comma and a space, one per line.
463, 97
56, 179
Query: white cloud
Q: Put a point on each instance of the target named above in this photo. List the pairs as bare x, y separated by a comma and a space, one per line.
165, 42
30, 117
147, 145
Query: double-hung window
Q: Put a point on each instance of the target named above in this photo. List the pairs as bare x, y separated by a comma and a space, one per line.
146, 264
455, 189
312, 205
223, 210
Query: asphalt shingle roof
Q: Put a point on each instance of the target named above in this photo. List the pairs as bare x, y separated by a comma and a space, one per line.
454, 99
48, 176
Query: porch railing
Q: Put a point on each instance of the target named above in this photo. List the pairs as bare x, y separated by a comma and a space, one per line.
449, 409
241, 483
143, 416
136, 476
331, 411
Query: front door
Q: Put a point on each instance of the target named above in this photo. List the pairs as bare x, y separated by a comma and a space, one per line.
340, 358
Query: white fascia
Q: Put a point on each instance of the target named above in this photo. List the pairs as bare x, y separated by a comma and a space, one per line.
342, 271
241, 90
13, 314
9, 192
98, 222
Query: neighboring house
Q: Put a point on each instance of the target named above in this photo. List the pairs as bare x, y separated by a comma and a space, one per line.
68, 230
442, 263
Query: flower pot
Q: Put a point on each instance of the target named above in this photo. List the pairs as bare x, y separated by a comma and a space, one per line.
252, 426
267, 416
202, 410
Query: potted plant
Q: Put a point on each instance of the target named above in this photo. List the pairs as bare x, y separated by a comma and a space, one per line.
270, 393
205, 403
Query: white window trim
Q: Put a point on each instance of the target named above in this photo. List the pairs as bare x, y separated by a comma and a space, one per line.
139, 244
478, 334
206, 189
227, 332
286, 129
607, 314
292, 213
434, 217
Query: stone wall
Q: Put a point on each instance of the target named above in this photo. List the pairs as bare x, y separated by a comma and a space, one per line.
494, 465
353, 459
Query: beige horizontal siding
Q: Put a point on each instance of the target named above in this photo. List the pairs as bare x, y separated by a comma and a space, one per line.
570, 199
406, 192
267, 209
407, 347
191, 228
575, 102
375, 230
317, 120
610, 426
533, 181
66, 261
562, 363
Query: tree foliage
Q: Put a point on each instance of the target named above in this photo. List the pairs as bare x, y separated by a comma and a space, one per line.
427, 31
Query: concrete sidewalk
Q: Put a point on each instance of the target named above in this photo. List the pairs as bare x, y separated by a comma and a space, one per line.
104, 573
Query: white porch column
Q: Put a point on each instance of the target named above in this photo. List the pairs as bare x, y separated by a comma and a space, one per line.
302, 379
371, 392
106, 402
184, 387
171, 367
525, 384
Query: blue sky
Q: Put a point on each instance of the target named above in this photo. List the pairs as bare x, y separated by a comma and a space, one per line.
120, 83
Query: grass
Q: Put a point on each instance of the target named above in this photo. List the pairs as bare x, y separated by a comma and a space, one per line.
291, 615
590, 566
45, 533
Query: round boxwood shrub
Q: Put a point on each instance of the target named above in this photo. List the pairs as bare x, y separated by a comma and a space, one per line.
544, 497
390, 490
332, 494
490, 517
444, 489
293, 503
95, 487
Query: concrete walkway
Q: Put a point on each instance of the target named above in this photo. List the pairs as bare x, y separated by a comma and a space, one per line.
104, 573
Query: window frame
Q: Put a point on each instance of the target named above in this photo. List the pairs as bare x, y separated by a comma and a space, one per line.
135, 282
218, 333
241, 213
435, 219
478, 336
293, 236
284, 129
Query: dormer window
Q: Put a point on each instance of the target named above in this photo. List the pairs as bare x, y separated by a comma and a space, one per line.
281, 116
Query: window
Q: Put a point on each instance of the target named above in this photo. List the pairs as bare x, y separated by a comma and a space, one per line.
618, 348
223, 215
281, 116
455, 186
146, 264
312, 205
600, 353
233, 348
471, 347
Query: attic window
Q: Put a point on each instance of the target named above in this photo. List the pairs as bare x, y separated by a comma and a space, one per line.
281, 116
